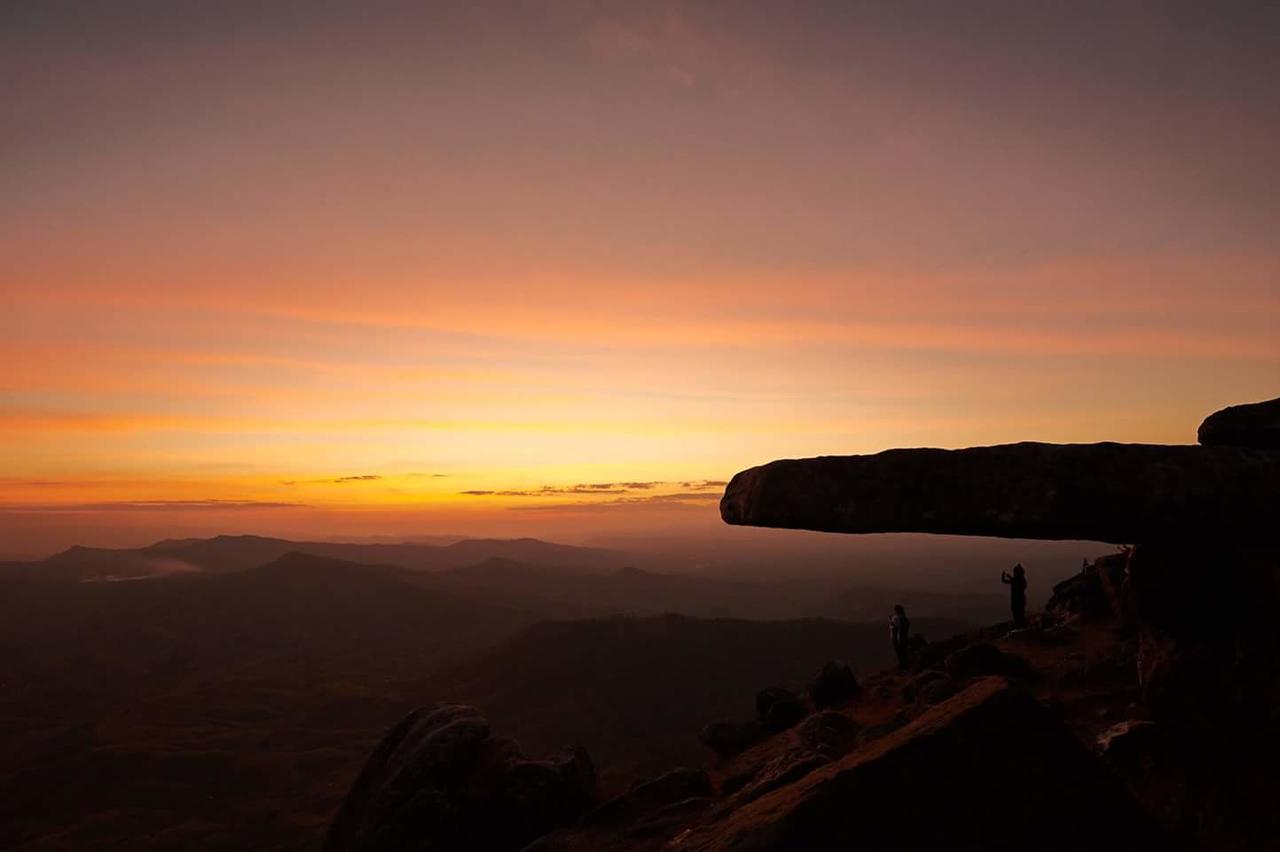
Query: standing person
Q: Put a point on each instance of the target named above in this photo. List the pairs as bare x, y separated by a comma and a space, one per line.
900, 635
1017, 594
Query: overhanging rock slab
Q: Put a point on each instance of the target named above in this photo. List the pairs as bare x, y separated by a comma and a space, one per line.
1121, 493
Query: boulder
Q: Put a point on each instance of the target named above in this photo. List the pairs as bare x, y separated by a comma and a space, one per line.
1122, 493
651, 795
1096, 593
911, 690
1191, 606
778, 708
828, 732
1254, 425
881, 729
1128, 741
674, 786
1026, 781
936, 691
782, 769
439, 780
982, 659
728, 738
834, 686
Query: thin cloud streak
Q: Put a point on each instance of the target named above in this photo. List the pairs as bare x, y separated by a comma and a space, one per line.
603, 489
152, 506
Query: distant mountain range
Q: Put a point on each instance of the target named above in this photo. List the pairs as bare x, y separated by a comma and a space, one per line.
219, 707
227, 553
544, 579
634, 690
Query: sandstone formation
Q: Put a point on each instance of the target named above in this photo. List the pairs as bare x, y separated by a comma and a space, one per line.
1254, 425
1095, 593
1121, 493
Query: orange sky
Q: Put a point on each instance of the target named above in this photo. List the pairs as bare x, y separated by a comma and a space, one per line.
317, 268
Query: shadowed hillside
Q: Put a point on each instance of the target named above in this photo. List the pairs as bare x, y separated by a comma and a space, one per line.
198, 709
227, 553
635, 691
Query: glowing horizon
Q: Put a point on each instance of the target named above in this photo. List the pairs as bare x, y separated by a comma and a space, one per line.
340, 269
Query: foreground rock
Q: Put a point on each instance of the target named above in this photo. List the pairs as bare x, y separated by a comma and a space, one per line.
1027, 783
729, 737
440, 781
982, 658
1255, 425
778, 709
833, 686
1122, 493
1095, 594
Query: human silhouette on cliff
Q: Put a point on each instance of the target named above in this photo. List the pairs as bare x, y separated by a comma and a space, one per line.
1017, 594
900, 635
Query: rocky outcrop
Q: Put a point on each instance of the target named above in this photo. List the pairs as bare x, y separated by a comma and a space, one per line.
1095, 594
819, 739
828, 732
1208, 633
1192, 605
833, 686
1122, 493
982, 658
778, 709
1254, 425
1027, 783
645, 797
1128, 740
730, 737
651, 809
439, 780
914, 687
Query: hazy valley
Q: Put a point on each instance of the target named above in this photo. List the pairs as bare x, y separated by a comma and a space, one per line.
195, 692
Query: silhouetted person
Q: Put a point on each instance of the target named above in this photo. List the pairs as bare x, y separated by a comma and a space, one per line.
1017, 594
900, 635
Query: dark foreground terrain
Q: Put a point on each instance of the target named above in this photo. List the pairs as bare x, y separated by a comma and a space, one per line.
1137, 712
1074, 733
223, 703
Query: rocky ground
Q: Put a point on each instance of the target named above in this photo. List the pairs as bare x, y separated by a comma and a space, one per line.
1137, 712
990, 735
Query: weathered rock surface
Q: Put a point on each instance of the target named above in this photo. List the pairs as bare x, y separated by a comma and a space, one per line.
778, 708
730, 737
645, 797
1027, 783
1122, 493
1096, 593
828, 732
651, 809
982, 659
1130, 737
1254, 425
911, 691
440, 781
833, 686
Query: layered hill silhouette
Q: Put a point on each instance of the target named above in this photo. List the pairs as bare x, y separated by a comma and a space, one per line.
635, 691
228, 553
190, 709
234, 705
1137, 712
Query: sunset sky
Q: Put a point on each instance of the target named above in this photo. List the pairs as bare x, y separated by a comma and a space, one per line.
560, 267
